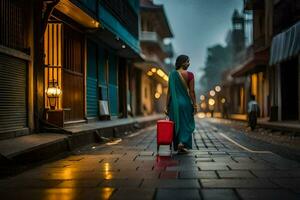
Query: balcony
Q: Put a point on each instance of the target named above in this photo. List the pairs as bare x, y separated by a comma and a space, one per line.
124, 13
154, 39
168, 49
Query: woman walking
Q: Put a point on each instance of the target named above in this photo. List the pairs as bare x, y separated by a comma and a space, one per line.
181, 104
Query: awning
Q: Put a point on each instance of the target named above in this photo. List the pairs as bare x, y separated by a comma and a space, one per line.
285, 45
256, 63
73, 11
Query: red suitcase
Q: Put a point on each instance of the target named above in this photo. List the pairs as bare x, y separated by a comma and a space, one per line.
165, 129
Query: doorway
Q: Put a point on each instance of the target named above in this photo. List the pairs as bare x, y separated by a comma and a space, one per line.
289, 89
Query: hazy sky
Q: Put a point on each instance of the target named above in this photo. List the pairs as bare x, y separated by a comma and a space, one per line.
198, 24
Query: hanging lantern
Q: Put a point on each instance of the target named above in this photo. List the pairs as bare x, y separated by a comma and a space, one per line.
53, 93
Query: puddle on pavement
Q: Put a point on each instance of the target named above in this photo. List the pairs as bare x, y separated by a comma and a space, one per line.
162, 162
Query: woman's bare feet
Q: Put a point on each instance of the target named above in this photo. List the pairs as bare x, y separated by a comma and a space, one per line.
182, 149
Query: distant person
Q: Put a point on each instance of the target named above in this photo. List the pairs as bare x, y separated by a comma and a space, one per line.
181, 104
253, 112
225, 110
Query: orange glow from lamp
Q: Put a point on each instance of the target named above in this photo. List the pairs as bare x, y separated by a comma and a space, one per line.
157, 95
53, 92
149, 73
154, 70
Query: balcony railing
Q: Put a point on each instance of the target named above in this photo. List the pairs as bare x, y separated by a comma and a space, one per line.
153, 37
168, 49
150, 36
122, 10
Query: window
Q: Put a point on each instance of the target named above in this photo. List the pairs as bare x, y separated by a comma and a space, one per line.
12, 24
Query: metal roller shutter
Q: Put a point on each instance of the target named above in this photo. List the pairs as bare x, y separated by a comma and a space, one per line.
13, 84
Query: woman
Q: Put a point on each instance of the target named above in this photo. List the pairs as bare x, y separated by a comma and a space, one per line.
181, 104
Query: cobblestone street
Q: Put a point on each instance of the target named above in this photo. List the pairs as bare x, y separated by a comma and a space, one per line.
218, 167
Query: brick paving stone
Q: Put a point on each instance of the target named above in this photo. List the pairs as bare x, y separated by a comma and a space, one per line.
133, 194
177, 194
182, 168
237, 183
218, 153
146, 153
218, 194
36, 194
145, 158
204, 160
118, 183
290, 183
170, 183
243, 166
278, 194
200, 153
29, 183
212, 166
273, 173
197, 174
79, 183
235, 174
168, 175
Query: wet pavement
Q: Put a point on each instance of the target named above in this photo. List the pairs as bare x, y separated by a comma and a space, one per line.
219, 167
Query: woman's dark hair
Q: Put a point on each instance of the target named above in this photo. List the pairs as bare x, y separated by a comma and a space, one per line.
180, 60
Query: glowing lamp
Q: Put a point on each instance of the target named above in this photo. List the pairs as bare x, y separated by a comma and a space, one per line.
160, 73
218, 88
211, 102
53, 94
153, 69
157, 95
149, 73
223, 100
166, 78
202, 97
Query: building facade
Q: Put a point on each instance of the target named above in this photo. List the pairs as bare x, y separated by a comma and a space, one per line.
274, 64
151, 76
74, 61
16, 68
99, 40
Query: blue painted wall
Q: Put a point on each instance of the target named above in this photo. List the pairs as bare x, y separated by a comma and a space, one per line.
135, 4
113, 84
112, 24
92, 80
102, 83
90, 4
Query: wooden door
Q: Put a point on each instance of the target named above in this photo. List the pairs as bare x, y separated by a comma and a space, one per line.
73, 74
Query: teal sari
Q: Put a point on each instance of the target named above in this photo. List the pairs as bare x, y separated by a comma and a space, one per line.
181, 110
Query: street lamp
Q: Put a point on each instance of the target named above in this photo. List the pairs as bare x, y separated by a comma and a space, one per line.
211, 101
218, 88
202, 97
212, 93
223, 100
53, 92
